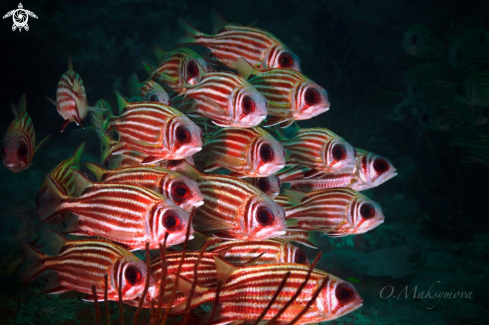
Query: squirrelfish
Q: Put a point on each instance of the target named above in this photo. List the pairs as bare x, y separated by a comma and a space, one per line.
81, 264
470, 50
229, 42
19, 143
337, 212
146, 91
71, 97
247, 291
177, 68
251, 152
156, 130
127, 214
269, 185
320, 149
227, 99
62, 175
178, 188
291, 96
236, 208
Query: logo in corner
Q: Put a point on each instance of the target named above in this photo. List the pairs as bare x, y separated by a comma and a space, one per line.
20, 17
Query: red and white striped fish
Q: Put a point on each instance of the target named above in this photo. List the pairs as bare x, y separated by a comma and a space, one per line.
19, 143
62, 175
336, 211
371, 170
178, 188
71, 97
236, 208
247, 291
127, 214
146, 91
229, 42
269, 185
291, 96
227, 99
156, 130
240, 252
177, 68
251, 152
81, 264
320, 149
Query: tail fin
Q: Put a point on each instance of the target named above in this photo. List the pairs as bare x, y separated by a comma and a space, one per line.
159, 52
217, 21
54, 206
36, 267
191, 33
96, 170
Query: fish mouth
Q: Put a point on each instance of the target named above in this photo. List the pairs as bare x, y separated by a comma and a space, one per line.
277, 233
193, 150
199, 203
389, 177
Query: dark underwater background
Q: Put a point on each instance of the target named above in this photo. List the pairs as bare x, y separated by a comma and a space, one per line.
436, 231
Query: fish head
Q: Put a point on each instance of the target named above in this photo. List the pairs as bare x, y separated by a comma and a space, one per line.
338, 298
133, 273
373, 170
365, 215
339, 155
282, 57
310, 100
266, 218
267, 156
183, 191
192, 69
167, 217
184, 137
156, 93
16, 151
269, 185
249, 107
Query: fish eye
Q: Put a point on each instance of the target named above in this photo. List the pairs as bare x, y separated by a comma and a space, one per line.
133, 275
413, 39
263, 184
266, 153
183, 135
192, 69
300, 257
285, 60
180, 191
264, 216
339, 152
156, 98
344, 292
311, 96
22, 151
367, 211
171, 221
248, 105
380, 165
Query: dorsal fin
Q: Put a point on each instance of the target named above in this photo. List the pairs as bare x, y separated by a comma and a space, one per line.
159, 52
147, 67
15, 110
224, 269
97, 170
22, 104
78, 154
217, 21
70, 66
132, 84
121, 101
244, 68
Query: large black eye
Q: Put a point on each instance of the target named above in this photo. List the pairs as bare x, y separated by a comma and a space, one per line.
171, 221
264, 216
248, 105
133, 275
179, 191
4, 151
266, 152
413, 39
155, 98
183, 135
367, 211
339, 152
192, 69
285, 60
380, 165
344, 292
311, 96
263, 184
300, 257
22, 151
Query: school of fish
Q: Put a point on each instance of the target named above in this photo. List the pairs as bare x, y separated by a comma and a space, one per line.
195, 154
